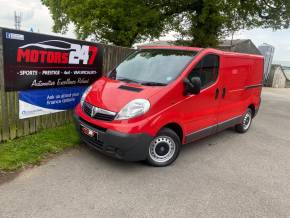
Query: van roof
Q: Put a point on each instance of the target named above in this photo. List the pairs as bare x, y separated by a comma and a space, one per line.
187, 48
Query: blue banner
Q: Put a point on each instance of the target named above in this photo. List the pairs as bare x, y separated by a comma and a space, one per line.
45, 101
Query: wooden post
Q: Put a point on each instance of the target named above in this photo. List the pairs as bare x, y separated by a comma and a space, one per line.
4, 108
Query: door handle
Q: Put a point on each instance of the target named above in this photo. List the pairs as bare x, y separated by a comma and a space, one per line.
224, 93
217, 92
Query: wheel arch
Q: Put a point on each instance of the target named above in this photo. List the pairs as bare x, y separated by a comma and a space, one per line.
253, 109
177, 128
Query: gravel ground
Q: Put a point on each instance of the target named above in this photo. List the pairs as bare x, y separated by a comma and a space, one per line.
225, 175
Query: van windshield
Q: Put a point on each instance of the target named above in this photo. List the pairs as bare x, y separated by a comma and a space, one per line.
153, 67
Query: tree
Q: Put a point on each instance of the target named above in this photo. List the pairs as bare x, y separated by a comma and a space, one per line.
121, 22
203, 22
199, 21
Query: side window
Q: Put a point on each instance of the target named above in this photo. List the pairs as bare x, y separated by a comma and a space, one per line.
207, 70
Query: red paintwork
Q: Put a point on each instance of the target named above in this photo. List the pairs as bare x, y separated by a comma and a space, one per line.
105, 91
170, 105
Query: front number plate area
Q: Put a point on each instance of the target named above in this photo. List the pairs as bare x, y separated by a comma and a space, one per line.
89, 132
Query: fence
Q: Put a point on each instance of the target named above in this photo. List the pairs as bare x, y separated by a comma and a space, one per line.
11, 127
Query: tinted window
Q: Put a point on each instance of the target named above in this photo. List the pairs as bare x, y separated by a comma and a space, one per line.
207, 70
153, 66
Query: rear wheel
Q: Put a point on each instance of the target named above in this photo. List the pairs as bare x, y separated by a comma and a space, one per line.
164, 148
244, 126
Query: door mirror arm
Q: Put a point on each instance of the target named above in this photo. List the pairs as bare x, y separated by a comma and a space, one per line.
193, 86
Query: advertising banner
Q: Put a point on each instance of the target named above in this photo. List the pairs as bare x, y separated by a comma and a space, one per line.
34, 61
45, 101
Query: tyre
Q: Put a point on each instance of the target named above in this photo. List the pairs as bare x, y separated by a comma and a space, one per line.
164, 148
244, 126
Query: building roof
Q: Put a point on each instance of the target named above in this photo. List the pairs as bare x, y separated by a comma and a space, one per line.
158, 43
237, 45
231, 43
171, 47
274, 68
286, 71
222, 43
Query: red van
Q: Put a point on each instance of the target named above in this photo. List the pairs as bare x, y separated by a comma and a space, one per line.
159, 98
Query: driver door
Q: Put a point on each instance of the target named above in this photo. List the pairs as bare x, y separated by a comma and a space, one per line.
201, 110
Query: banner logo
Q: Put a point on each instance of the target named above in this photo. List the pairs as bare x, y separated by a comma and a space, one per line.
14, 36
56, 52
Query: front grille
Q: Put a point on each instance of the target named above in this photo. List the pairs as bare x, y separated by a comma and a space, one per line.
87, 108
101, 115
93, 127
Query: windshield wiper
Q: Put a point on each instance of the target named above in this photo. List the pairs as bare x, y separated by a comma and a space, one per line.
153, 84
126, 80
141, 83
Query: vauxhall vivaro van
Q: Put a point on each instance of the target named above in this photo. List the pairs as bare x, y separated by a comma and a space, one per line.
159, 98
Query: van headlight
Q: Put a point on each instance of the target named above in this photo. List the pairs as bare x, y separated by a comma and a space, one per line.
86, 92
134, 108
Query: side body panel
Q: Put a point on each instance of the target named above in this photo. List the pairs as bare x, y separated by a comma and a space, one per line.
254, 83
234, 73
241, 86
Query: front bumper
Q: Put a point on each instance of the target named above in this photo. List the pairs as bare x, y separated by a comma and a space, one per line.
130, 147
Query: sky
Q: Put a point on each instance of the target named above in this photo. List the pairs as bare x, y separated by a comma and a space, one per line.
37, 16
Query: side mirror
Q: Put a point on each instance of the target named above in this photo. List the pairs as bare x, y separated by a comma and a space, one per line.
193, 86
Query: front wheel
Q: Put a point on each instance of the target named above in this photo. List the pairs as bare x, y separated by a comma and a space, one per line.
244, 126
164, 148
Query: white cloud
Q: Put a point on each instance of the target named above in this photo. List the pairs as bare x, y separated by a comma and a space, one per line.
34, 15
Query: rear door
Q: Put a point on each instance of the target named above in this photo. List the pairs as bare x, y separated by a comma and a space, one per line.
200, 111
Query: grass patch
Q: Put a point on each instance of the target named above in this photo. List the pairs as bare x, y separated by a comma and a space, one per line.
30, 150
